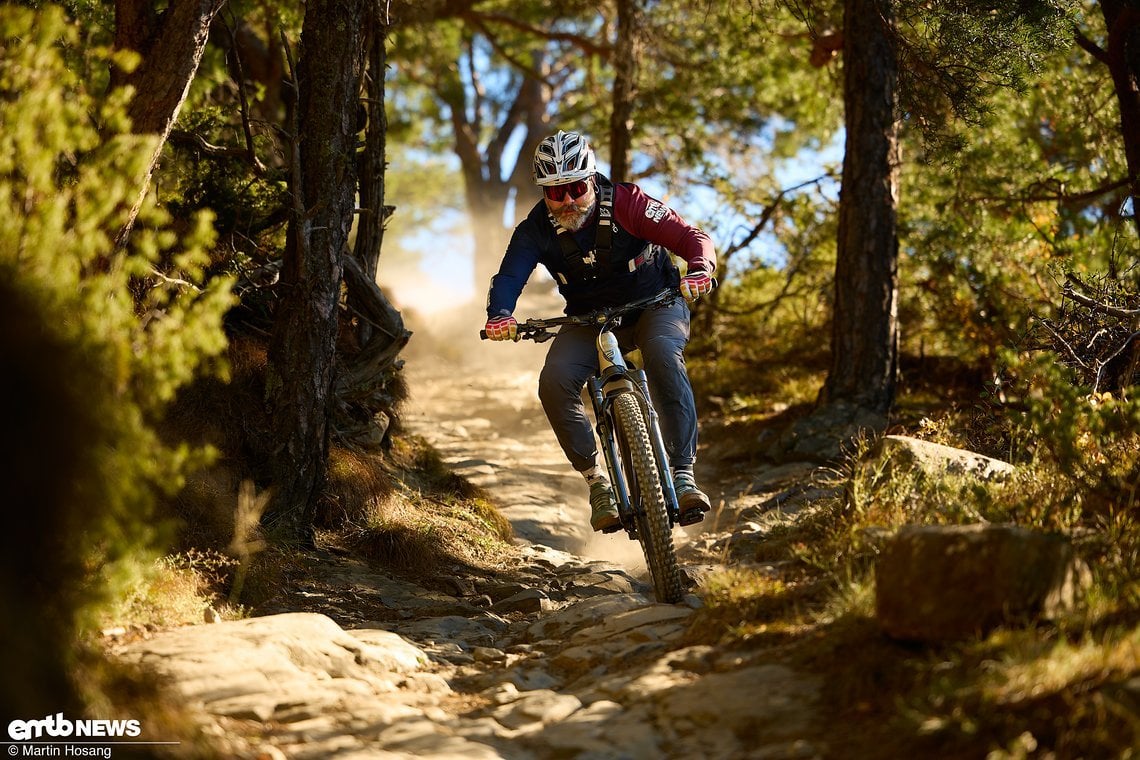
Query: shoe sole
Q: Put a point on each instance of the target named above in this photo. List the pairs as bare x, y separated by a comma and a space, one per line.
695, 501
609, 526
693, 507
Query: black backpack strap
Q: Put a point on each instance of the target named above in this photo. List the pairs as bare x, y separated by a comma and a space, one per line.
579, 266
604, 236
586, 266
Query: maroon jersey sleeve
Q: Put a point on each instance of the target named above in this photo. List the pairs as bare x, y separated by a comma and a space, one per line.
651, 220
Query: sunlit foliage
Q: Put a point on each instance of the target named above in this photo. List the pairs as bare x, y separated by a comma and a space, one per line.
142, 318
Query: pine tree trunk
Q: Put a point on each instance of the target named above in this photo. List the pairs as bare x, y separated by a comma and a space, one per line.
302, 368
865, 322
374, 213
171, 45
486, 189
363, 389
489, 233
625, 87
1123, 59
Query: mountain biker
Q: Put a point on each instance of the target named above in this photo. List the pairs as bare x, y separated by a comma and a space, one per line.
607, 244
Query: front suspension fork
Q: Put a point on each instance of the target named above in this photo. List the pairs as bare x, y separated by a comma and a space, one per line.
666, 472
607, 435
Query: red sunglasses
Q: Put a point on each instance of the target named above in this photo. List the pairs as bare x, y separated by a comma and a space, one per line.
570, 190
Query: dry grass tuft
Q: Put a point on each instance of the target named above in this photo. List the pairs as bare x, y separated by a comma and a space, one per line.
357, 482
416, 534
409, 513
433, 520
174, 590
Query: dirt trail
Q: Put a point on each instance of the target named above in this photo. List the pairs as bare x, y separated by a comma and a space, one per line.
478, 405
564, 656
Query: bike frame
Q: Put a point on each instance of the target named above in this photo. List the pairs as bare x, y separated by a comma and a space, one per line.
615, 377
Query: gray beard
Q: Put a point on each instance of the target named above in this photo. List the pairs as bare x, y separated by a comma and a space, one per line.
577, 221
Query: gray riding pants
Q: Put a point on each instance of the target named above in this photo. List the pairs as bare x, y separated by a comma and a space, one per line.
661, 334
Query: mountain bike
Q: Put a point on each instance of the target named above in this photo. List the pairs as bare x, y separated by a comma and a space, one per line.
628, 429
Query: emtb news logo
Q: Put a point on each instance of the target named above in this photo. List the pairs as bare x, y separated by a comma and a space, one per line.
57, 726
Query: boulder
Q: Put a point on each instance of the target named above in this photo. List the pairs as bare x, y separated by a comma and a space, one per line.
950, 582
935, 458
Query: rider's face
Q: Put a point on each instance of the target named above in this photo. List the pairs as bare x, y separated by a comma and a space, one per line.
571, 204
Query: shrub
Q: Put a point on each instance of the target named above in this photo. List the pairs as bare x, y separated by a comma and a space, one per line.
133, 324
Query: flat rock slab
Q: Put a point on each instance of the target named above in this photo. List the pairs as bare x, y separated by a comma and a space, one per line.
935, 458
262, 666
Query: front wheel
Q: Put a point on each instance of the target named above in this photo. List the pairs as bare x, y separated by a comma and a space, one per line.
654, 530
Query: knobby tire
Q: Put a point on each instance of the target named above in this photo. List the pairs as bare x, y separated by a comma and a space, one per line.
653, 528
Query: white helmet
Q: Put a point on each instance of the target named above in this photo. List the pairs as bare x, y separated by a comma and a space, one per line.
563, 157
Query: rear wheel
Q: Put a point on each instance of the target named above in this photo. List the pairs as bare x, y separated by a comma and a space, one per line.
653, 528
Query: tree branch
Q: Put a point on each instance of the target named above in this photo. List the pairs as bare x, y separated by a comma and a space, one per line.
1102, 364
1074, 198
528, 100
247, 131
1090, 47
1060, 339
525, 68
766, 214
1030, 194
1095, 305
197, 141
585, 44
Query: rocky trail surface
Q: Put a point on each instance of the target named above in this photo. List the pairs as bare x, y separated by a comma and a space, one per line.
564, 656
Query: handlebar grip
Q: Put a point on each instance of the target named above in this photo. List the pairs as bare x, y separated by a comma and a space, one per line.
482, 335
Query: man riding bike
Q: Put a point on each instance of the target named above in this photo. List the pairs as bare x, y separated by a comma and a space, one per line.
607, 244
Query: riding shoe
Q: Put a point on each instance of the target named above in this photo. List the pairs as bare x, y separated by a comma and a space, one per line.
603, 507
692, 501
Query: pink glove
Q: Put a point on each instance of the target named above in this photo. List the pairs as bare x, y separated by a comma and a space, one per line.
696, 285
501, 328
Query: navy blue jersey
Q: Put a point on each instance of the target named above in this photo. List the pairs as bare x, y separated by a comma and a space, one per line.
644, 229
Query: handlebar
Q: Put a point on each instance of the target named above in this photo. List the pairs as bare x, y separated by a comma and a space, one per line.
538, 329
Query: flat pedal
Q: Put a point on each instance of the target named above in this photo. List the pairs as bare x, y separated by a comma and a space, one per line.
691, 517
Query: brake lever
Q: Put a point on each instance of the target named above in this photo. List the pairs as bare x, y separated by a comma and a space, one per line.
537, 334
